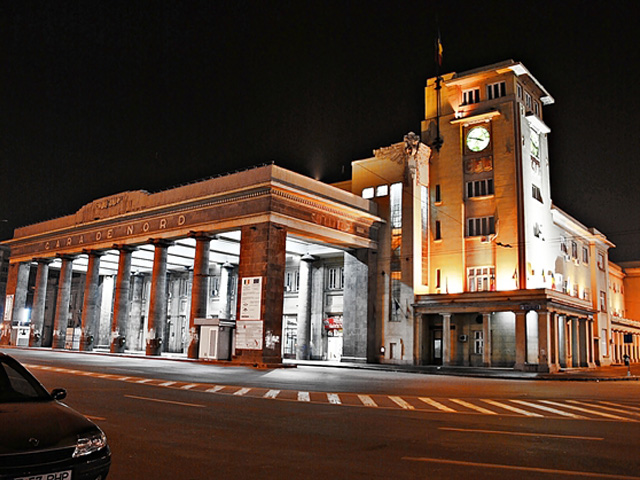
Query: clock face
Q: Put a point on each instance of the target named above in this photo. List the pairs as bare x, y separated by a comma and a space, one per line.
478, 139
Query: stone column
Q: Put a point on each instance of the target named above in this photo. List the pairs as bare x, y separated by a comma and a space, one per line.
521, 340
303, 344
91, 302
135, 314
121, 301
544, 342
61, 318
263, 255
446, 339
17, 285
486, 339
224, 295
357, 306
39, 298
555, 344
198, 290
565, 345
158, 299
574, 326
591, 347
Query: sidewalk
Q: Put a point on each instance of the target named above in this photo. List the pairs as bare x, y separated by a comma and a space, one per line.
599, 374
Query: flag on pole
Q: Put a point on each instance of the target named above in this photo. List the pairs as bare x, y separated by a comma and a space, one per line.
439, 50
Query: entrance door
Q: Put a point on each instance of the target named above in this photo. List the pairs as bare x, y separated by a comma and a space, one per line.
437, 347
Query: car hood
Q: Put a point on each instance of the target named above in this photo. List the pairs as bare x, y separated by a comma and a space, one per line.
52, 424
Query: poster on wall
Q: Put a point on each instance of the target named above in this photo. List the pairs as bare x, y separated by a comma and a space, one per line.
249, 334
250, 298
8, 308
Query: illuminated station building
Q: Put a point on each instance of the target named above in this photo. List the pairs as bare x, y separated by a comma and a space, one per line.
448, 252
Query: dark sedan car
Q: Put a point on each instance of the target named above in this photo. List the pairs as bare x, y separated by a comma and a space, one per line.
41, 438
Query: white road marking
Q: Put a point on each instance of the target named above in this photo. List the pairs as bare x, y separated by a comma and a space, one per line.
586, 410
473, 407
619, 405
144, 380
438, 405
521, 468
367, 401
272, 394
124, 379
166, 384
189, 386
304, 397
548, 409
215, 389
597, 405
511, 408
334, 399
166, 401
520, 434
242, 392
402, 403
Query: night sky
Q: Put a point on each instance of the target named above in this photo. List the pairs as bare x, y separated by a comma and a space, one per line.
102, 97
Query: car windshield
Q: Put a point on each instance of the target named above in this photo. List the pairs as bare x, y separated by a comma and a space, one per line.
18, 385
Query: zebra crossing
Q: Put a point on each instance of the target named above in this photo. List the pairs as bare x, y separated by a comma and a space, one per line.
537, 408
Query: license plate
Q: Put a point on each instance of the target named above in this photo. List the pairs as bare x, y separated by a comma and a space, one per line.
66, 475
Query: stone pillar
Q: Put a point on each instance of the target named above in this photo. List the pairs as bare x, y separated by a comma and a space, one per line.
486, 339
61, 318
555, 344
199, 290
591, 346
17, 285
521, 340
446, 339
262, 254
121, 302
544, 342
91, 303
564, 344
356, 306
158, 299
224, 295
574, 326
135, 314
39, 298
303, 343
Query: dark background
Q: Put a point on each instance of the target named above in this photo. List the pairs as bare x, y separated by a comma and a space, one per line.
102, 97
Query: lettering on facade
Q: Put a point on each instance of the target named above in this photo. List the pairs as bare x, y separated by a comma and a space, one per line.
118, 232
108, 203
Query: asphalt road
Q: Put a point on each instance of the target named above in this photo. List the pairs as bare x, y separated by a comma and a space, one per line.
168, 420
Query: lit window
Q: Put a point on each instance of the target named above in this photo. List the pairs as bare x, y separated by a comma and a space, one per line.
368, 192
382, 190
603, 301
600, 260
585, 255
536, 193
563, 246
527, 101
481, 279
519, 91
480, 226
536, 108
396, 205
496, 90
480, 188
574, 250
470, 96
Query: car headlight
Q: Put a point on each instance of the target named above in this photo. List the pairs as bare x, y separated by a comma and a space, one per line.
89, 443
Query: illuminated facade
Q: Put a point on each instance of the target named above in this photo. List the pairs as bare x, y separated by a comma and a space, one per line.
447, 254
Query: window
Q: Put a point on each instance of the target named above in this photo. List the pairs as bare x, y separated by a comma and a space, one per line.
382, 190
480, 226
335, 278
575, 289
600, 260
536, 193
438, 234
438, 278
574, 250
470, 96
563, 246
438, 194
291, 280
478, 342
519, 91
527, 101
215, 285
586, 294
536, 108
585, 255
603, 301
496, 90
396, 205
368, 192
480, 188
481, 279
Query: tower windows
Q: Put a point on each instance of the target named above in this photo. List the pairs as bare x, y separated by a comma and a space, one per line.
480, 188
438, 232
481, 279
480, 226
496, 90
536, 193
470, 96
438, 194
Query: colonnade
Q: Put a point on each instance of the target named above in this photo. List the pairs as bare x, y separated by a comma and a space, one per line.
563, 341
620, 348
